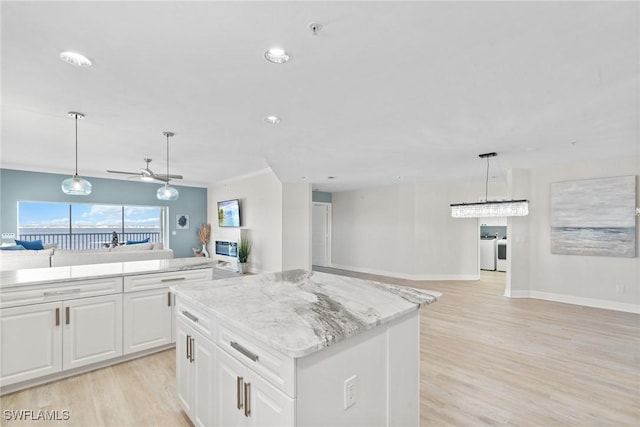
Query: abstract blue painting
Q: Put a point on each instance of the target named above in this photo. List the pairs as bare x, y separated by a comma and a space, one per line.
594, 217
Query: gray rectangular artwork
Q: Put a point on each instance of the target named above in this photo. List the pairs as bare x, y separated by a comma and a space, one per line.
594, 217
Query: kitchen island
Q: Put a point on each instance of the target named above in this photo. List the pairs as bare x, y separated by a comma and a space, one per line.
61, 321
299, 348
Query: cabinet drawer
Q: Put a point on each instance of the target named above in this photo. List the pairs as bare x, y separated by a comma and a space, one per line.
61, 291
162, 280
196, 317
275, 367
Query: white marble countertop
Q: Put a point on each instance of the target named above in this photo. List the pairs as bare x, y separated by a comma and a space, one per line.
298, 312
34, 276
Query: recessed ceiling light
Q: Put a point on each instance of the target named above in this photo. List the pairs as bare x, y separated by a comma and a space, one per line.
276, 55
76, 59
331, 177
274, 120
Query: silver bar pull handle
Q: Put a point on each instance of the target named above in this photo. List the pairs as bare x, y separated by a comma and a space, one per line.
193, 356
247, 399
64, 292
188, 342
174, 279
169, 299
239, 392
190, 316
248, 353
67, 315
58, 316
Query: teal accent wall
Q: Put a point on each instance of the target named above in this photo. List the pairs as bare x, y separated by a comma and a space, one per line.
16, 185
321, 196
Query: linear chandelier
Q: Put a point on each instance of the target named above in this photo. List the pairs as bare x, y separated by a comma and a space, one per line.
489, 209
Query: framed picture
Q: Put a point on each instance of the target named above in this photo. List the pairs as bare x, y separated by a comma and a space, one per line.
182, 222
594, 217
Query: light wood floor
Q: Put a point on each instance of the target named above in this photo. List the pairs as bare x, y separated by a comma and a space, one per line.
486, 360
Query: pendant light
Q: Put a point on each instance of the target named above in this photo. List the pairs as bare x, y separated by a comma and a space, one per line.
76, 186
488, 209
167, 192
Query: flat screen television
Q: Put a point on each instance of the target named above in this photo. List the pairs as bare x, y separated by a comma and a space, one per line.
229, 213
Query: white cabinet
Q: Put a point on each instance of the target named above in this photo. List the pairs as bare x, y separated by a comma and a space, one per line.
243, 398
148, 319
92, 330
50, 330
195, 362
31, 340
149, 308
42, 339
216, 388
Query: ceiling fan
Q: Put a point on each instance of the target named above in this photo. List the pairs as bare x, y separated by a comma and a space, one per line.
147, 174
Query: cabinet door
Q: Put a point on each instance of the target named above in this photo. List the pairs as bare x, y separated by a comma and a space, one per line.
229, 390
92, 330
268, 406
184, 335
31, 339
245, 399
147, 319
203, 368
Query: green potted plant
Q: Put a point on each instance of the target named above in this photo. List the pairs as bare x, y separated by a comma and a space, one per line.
244, 250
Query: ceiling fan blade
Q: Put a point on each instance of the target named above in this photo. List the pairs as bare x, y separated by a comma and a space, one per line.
124, 173
165, 176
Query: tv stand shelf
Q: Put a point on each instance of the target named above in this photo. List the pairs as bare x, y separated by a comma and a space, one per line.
226, 265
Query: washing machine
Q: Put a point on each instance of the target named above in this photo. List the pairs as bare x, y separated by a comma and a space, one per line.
501, 255
488, 253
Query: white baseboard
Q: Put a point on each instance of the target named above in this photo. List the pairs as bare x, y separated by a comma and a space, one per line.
570, 299
405, 275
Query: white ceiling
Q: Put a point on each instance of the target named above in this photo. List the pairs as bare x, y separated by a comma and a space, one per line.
414, 90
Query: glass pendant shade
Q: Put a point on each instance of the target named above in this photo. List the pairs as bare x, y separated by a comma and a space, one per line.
490, 209
167, 193
76, 186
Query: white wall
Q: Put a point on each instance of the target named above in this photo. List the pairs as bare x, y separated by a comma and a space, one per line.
296, 226
372, 230
276, 217
518, 233
446, 247
607, 282
406, 231
261, 209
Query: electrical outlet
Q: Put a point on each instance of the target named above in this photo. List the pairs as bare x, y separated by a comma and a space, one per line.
8, 235
350, 392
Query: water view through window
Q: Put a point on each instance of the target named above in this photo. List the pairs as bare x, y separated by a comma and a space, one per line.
87, 226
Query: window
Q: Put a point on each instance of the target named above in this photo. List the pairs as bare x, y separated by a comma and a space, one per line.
88, 226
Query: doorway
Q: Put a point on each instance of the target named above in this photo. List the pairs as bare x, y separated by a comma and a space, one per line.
494, 249
321, 234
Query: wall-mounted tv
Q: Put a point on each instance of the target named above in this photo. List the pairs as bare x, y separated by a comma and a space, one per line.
229, 213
